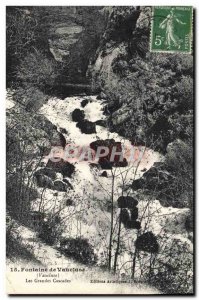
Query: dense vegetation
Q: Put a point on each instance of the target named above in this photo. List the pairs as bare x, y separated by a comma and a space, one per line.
149, 101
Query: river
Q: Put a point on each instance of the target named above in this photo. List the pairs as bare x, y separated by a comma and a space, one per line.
89, 215
90, 218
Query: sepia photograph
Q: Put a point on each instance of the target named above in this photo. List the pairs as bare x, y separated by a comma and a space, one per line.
100, 150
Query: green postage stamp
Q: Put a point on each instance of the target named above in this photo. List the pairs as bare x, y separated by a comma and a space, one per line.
171, 29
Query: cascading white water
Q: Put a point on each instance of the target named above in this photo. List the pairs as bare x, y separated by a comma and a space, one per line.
87, 182
59, 113
88, 218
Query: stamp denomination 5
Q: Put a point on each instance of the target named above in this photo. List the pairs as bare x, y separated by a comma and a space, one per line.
171, 29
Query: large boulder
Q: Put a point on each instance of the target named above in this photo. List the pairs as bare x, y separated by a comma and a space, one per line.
63, 167
127, 202
124, 217
44, 181
85, 102
138, 184
147, 242
104, 174
86, 126
133, 225
78, 115
47, 172
60, 186
107, 143
106, 162
128, 221
68, 183
157, 176
102, 123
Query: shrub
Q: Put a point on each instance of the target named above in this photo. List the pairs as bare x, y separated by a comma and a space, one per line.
171, 182
147, 242
24, 33
30, 97
179, 161
51, 230
19, 196
37, 69
79, 249
120, 67
173, 273
184, 92
15, 250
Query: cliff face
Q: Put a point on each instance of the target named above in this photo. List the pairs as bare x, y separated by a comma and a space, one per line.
149, 98
73, 36
118, 46
146, 91
67, 36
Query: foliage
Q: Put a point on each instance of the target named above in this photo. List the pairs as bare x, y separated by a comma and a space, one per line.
120, 24
79, 249
147, 242
184, 92
23, 33
30, 97
172, 180
173, 272
152, 101
24, 142
19, 196
152, 89
15, 250
51, 229
19, 189
179, 161
37, 69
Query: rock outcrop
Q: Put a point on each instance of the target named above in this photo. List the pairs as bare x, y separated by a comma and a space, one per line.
168, 181
63, 167
78, 115
71, 31
86, 126
144, 90
110, 160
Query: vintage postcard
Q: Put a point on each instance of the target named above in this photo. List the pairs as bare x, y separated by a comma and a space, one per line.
100, 156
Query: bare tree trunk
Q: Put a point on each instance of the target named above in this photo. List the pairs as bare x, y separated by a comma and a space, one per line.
111, 229
150, 267
41, 201
118, 243
133, 267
